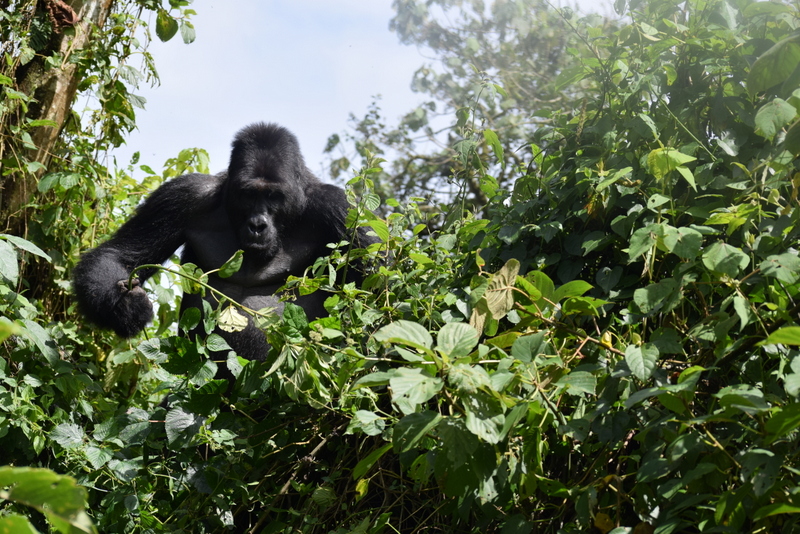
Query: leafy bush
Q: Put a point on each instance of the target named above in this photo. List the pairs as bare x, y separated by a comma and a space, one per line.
611, 345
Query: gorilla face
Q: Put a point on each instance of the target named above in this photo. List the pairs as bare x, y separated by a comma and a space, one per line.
264, 192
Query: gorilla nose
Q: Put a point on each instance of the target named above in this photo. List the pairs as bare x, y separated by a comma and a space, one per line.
257, 225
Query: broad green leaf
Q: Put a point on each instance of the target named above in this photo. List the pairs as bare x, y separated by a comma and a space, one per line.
662, 161
187, 32
785, 267
58, 497
380, 378
643, 240
574, 288
526, 348
789, 335
405, 333
485, 417
216, 343
660, 297
744, 398
232, 266
773, 116
578, 383
16, 524
368, 422
783, 422
792, 139
743, 311
456, 340
68, 435
412, 387
412, 428
468, 378
642, 360
683, 242
726, 259
166, 26
41, 338
380, 229
9, 268
181, 427
775, 509
25, 245
775, 65
493, 141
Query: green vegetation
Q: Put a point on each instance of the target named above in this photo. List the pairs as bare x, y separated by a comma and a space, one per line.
598, 331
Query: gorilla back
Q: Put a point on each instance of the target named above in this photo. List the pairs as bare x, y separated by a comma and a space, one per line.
267, 204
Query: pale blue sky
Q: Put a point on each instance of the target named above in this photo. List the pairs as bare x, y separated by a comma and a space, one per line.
305, 64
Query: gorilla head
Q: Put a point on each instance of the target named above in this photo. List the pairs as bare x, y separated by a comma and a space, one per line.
265, 189
267, 204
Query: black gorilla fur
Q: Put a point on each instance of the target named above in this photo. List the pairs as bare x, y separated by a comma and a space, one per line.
267, 204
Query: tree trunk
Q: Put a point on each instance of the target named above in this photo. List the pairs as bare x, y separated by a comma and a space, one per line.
54, 90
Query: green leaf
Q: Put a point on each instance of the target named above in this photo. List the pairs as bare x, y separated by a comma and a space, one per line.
405, 333
642, 360
775, 509
187, 32
457, 340
659, 297
9, 268
773, 116
789, 335
166, 26
683, 242
485, 417
578, 383
232, 266
726, 259
25, 245
41, 338
783, 422
792, 139
412, 428
368, 422
468, 378
380, 378
181, 427
662, 161
68, 435
364, 465
574, 288
493, 141
412, 387
380, 229
744, 398
16, 524
643, 240
785, 267
59, 497
775, 65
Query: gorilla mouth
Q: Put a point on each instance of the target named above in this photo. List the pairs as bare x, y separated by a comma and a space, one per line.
260, 248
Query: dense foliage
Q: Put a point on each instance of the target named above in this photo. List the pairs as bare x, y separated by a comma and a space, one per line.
610, 343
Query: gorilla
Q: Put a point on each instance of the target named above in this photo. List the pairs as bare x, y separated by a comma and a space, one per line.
268, 204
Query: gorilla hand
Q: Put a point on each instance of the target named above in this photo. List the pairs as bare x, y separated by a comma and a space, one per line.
132, 310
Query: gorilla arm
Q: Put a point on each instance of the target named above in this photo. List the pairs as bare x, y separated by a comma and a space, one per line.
151, 236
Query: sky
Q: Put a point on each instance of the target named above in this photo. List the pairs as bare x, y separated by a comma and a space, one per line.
304, 64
